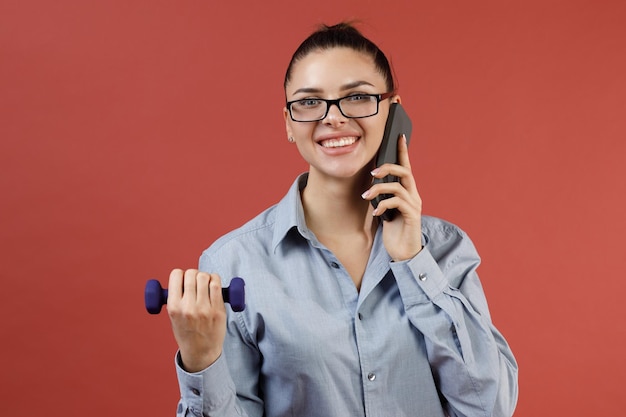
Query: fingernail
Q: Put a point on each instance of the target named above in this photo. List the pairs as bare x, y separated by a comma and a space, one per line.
365, 194
375, 171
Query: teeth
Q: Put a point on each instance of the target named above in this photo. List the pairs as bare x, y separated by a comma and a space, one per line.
336, 143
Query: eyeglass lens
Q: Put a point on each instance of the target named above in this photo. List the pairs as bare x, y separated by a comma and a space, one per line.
351, 106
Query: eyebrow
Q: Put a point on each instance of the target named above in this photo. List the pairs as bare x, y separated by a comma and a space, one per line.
348, 86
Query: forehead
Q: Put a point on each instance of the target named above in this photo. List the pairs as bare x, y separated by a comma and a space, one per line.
330, 69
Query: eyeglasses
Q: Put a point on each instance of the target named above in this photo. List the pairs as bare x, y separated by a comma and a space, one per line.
354, 106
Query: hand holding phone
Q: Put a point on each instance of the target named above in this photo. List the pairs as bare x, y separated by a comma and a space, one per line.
398, 124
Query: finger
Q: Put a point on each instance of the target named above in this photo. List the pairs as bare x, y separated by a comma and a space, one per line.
407, 180
404, 199
403, 162
215, 291
202, 288
189, 285
390, 169
382, 188
403, 152
387, 204
410, 210
175, 285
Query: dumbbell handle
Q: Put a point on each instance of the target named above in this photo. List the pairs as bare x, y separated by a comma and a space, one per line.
156, 296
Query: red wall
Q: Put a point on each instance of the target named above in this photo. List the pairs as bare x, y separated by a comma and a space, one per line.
134, 133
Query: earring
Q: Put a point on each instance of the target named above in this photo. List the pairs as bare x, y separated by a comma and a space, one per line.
291, 139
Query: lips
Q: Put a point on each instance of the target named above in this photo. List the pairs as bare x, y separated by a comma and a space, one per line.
338, 142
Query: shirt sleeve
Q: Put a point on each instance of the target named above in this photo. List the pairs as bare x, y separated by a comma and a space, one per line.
212, 391
208, 392
472, 363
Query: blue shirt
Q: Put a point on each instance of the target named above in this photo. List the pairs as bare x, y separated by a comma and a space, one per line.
416, 340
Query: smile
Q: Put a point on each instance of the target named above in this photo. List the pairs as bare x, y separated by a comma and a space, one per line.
339, 142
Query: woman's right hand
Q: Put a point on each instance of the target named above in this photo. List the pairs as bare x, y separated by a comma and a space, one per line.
198, 315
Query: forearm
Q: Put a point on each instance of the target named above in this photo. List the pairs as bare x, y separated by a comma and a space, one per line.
474, 367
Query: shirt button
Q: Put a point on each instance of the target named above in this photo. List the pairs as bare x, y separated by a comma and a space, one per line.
334, 265
371, 376
422, 276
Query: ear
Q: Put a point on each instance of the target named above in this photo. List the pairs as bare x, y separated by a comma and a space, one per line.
287, 120
396, 99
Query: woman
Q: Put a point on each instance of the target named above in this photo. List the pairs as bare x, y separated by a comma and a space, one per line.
347, 314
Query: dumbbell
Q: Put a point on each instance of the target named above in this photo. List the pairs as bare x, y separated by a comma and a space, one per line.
156, 296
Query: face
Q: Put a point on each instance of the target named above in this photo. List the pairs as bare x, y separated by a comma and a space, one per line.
337, 146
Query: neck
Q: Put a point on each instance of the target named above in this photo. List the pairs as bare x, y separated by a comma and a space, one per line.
334, 205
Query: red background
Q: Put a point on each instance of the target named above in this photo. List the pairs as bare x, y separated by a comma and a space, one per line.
134, 133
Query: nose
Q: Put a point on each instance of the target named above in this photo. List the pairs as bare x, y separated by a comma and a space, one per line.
334, 116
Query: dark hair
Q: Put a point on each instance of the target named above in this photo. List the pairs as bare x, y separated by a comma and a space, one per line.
342, 35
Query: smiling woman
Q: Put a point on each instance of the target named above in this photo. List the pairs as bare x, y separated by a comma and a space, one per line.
133, 134
346, 314
330, 81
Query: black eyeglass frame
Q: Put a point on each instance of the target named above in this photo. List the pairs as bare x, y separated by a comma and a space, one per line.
379, 98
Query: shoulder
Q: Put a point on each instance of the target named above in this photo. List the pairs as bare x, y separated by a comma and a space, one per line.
257, 228
438, 229
255, 239
252, 236
446, 241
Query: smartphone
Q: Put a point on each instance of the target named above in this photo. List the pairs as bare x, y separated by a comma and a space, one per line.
398, 124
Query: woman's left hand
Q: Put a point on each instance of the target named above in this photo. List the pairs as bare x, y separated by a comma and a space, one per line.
402, 236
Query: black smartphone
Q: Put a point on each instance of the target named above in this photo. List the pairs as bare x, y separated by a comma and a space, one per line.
398, 124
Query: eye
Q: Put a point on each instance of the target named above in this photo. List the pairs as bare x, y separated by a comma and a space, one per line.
359, 98
308, 102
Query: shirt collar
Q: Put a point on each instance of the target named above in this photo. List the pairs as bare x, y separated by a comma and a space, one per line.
290, 213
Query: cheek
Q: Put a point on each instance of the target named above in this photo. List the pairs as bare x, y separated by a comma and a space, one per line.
374, 132
302, 131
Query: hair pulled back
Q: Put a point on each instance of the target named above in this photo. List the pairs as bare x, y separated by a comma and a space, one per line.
347, 36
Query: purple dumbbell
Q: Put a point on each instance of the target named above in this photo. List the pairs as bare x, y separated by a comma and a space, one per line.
156, 296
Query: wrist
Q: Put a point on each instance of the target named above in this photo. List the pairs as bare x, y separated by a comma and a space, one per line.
193, 363
406, 256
